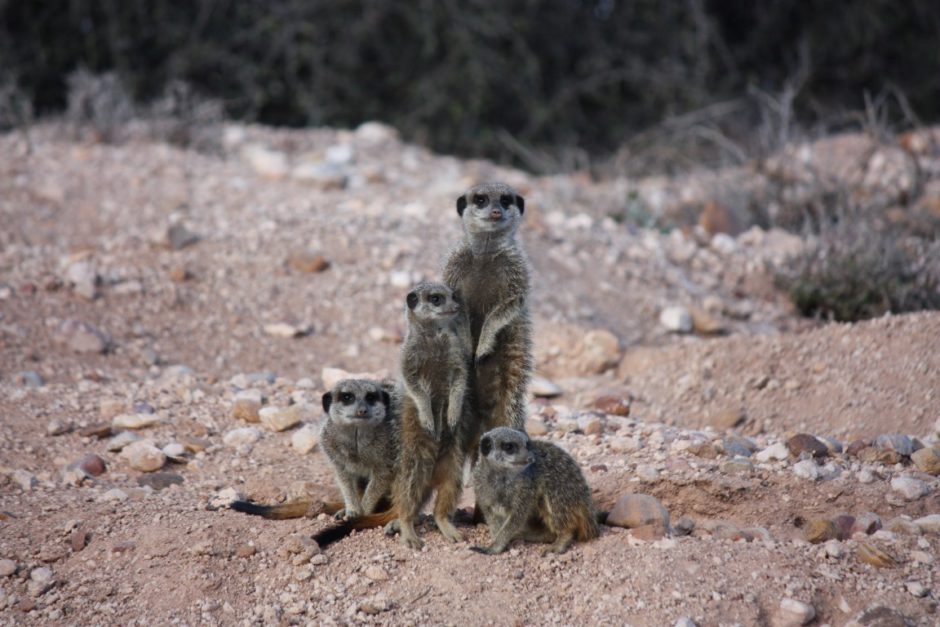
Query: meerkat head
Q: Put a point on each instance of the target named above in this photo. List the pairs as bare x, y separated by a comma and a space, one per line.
507, 447
359, 402
491, 209
432, 303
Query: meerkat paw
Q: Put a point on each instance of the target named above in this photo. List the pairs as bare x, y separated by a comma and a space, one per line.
392, 527
410, 539
448, 530
347, 513
486, 550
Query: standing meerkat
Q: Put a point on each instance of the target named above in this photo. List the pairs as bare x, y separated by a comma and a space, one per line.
531, 490
360, 439
490, 273
435, 365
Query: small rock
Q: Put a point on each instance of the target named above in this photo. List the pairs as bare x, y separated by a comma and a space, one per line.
246, 406
280, 418
922, 557
122, 439
83, 278
287, 330
245, 550
909, 487
30, 379
867, 523
807, 469
778, 452
376, 573
916, 589
375, 605
114, 494
7, 567
305, 439
856, 446
224, 498
58, 427
676, 319
927, 460
737, 466
325, 176
845, 523
805, 443
160, 480
307, 263
42, 574
92, 464
144, 456
82, 337
381, 334
245, 436
175, 451
622, 444
375, 133
647, 473
895, 442
834, 549
134, 421
877, 456
98, 430
684, 526
566, 425
600, 351
818, 530
536, 426
726, 419
590, 423
707, 450
194, 444
78, 538
648, 533
685, 621
25, 479
870, 554
704, 323
268, 163
929, 524
614, 405
637, 510
793, 613
879, 616
737, 446
543, 388
179, 237
180, 274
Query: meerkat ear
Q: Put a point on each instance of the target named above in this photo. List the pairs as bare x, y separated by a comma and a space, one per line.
412, 299
327, 401
386, 399
461, 205
520, 202
486, 445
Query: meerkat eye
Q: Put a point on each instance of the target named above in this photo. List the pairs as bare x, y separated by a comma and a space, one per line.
480, 200
436, 299
509, 447
506, 201
346, 398
372, 398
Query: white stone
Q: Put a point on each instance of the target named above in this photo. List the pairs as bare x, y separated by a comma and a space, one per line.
43, 574
543, 388
776, 452
340, 154
121, 440
794, 613
305, 439
834, 549
268, 163
7, 568
806, 469
620, 444
284, 329
134, 421
241, 437
916, 589
865, 476
174, 449
909, 487
647, 473
25, 479
144, 456
399, 279
375, 132
929, 524
280, 418
114, 494
590, 424
676, 319
224, 498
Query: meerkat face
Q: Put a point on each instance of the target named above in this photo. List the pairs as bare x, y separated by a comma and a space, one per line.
491, 208
507, 447
433, 302
359, 402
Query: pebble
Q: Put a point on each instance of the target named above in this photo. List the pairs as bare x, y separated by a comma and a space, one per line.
922, 557
614, 405
737, 466
246, 405
600, 351
244, 436
270, 164
179, 237
566, 425
676, 319
325, 176
806, 469
870, 554
83, 278
144, 456
43, 574
280, 418
543, 388
726, 419
134, 421
175, 451
909, 487
305, 439
7, 567
376, 573
818, 530
92, 464
865, 476
804, 443
897, 442
29, 378
834, 549
647, 473
245, 550
286, 329
98, 430
916, 589
122, 439
704, 323
793, 613
621, 444
224, 498
82, 337
778, 452
927, 460
160, 480
867, 523
307, 263
58, 427
737, 446
114, 494
590, 423
535, 426
929, 524
879, 616
685, 621
78, 538
25, 479
375, 133
638, 510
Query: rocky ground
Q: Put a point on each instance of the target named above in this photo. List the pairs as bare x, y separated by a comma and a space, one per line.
169, 320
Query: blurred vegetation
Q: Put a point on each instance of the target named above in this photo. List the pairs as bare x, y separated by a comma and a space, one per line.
549, 85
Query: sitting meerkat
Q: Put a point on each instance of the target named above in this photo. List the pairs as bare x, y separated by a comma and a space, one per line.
360, 439
531, 490
435, 414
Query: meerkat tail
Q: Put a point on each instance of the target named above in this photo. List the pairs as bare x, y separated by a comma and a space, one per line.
337, 532
294, 509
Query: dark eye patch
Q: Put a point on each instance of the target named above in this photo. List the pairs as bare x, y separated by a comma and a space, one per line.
372, 398
346, 398
506, 201
508, 447
480, 200
436, 299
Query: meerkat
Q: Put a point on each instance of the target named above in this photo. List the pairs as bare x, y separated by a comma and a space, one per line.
435, 365
490, 273
360, 439
531, 490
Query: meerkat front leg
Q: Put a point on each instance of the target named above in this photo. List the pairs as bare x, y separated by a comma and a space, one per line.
496, 321
351, 500
422, 398
513, 527
379, 485
455, 398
